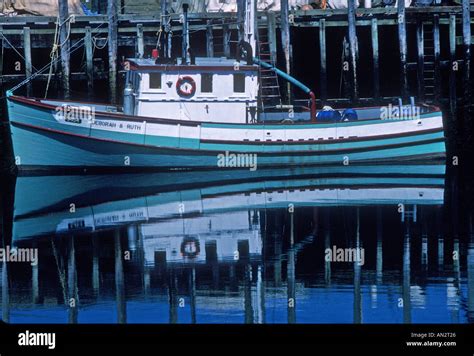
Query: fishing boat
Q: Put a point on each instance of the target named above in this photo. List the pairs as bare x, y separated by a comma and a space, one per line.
206, 113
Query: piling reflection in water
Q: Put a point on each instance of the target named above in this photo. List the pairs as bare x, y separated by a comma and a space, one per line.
207, 248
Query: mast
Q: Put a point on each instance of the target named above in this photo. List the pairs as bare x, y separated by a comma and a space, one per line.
185, 39
251, 24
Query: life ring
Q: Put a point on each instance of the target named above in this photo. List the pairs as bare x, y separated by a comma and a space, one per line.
190, 247
186, 86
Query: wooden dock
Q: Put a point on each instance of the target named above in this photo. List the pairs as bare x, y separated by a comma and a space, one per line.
441, 36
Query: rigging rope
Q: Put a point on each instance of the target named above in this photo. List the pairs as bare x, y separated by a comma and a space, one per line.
79, 44
72, 49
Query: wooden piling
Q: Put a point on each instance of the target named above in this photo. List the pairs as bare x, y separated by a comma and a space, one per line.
209, 39
379, 248
64, 41
437, 51
35, 280
272, 42
402, 40
291, 274
192, 294
375, 57
5, 292
470, 281
89, 61
173, 296
72, 282
466, 34
119, 280
226, 40
421, 60
169, 44
353, 48
406, 286
241, 12
1, 56
285, 39
248, 308
27, 55
140, 41
261, 310
357, 306
185, 36
95, 264
165, 41
452, 64
322, 53
113, 47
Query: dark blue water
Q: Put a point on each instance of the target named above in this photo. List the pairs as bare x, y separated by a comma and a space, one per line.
231, 247
234, 247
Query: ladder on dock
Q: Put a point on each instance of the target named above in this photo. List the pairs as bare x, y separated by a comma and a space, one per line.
269, 88
428, 63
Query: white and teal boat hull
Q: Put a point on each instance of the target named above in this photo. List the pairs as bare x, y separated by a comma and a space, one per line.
42, 139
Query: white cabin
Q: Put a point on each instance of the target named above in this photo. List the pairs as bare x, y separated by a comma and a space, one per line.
211, 89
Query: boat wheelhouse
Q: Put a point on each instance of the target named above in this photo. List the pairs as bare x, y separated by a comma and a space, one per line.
208, 90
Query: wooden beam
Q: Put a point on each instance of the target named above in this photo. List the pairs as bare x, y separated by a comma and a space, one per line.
112, 47
375, 58
89, 61
322, 54
402, 40
140, 42
353, 48
27, 55
64, 41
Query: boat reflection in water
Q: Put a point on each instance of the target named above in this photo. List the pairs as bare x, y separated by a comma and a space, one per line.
236, 246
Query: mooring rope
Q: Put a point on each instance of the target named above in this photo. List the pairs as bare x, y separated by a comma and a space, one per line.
56, 45
52, 55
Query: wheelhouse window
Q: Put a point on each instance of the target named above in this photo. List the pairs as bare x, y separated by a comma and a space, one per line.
206, 83
155, 80
239, 83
